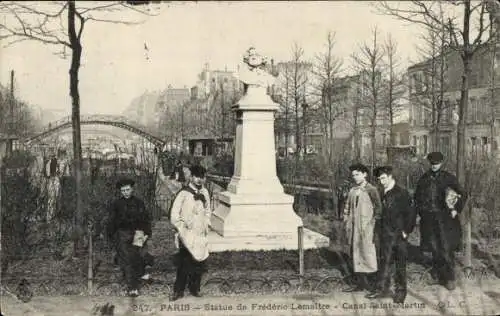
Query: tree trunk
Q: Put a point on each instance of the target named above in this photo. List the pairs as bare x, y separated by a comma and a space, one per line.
460, 167
356, 136
297, 130
494, 36
286, 115
373, 141
75, 122
461, 128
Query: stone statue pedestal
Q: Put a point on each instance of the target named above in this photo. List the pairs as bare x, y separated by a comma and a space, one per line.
255, 207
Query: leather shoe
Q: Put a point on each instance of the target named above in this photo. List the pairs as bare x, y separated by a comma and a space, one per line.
196, 294
398, 299
378, 294
133, 293
177, 296
450, 285
352, 289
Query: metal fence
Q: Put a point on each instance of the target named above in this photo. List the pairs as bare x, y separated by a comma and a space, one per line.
161, 206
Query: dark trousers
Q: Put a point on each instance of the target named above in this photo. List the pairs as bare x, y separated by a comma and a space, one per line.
129, 258
364, 281
189, 272
443, 254
393, 251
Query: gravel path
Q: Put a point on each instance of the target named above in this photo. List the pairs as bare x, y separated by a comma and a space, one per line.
474, 297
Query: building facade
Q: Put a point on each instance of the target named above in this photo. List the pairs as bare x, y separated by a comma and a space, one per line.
433, 123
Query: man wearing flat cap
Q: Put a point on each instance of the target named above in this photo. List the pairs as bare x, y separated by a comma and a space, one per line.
440, 228
397, 222
129, 226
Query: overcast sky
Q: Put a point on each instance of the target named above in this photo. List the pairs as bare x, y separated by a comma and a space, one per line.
181, 40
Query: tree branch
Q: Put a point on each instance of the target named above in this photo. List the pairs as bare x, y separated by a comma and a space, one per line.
482, 27
14, 41
90, 18
82, 24
30, 10
28, 34
101, 8
25, 30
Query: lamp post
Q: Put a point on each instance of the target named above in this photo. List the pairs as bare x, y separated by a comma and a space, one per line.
304, 144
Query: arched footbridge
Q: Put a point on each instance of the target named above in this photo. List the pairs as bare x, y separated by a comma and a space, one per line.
110, 120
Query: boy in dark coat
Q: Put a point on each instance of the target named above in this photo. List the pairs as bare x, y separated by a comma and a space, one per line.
397, 222
127, 216
439, 224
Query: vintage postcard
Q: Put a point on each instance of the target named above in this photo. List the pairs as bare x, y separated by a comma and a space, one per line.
249, 158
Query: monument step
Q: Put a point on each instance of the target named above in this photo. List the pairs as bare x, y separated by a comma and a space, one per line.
276, 241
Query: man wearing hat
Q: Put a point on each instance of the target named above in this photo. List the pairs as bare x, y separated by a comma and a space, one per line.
440, 228
397, 222
190, 215
361, 211
129, 226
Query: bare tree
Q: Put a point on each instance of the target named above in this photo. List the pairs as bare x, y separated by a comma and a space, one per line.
369, 63
427, 90
24, 120
326, 70
494, 8
395, 85
281, 95
466, 40
298, 79
44, 23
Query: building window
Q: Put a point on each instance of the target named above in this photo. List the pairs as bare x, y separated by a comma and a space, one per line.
427, 82
410, 115
445, 145
474, 78
471, 115
418, 115
446, 112
418, 82
427, 116
484, 110
425, 144
473, 144
414, 141
485, 146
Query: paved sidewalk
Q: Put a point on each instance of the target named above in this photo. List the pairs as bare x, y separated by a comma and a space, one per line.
473, 298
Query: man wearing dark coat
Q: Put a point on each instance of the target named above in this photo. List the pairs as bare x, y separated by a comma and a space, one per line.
440, 228
397, 222
128, 218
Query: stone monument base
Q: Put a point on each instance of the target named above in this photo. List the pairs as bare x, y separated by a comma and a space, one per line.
312, 240
245, 222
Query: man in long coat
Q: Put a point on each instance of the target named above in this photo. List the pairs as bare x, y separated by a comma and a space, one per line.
190, 215
128, 216
440, 227
397, 222
362, 210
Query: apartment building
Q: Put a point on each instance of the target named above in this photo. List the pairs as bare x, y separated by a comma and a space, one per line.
433, 123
